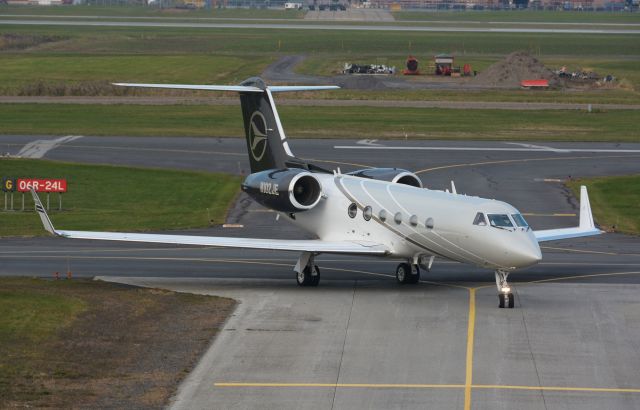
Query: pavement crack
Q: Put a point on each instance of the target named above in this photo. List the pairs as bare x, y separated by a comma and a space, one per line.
533, 359
344, 342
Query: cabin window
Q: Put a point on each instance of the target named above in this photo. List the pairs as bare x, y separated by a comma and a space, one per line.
480, 220
429, 223
519, 220
382, 215
398, 217
500, 221
353, 210
367, 212
413, 220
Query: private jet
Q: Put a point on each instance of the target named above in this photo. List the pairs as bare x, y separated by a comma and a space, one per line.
377, 212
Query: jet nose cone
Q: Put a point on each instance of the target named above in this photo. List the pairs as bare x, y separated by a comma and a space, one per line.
527, 253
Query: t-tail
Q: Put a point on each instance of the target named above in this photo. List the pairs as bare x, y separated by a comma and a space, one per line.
266, 141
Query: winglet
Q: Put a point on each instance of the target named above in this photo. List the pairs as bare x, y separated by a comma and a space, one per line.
43, 214
586, 216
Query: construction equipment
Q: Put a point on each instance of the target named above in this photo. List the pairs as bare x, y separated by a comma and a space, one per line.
412, 66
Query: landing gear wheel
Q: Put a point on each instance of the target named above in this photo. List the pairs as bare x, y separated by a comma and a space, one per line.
309, 276
402, 273
315, 279
407, 273
506, 300
505, 296
415, 275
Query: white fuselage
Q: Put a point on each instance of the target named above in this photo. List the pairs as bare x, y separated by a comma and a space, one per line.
416, 223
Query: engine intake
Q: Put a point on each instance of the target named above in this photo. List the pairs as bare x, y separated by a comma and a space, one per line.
395, 175
284, 190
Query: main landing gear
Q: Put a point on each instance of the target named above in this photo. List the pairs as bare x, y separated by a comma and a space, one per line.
307, 273
407, 273
505, 296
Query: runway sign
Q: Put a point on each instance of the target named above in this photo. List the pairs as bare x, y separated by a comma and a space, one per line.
8, 184
42, 185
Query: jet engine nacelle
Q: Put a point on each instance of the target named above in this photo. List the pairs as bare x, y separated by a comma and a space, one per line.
396, 175
284, 190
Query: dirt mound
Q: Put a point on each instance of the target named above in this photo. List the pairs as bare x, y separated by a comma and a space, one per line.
513, 69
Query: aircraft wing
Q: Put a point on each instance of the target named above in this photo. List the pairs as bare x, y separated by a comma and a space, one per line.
315, 246
586, 228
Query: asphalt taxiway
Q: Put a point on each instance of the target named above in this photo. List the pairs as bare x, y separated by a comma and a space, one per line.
360, 340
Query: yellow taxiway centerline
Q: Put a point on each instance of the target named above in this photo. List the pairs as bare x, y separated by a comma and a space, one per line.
471, 328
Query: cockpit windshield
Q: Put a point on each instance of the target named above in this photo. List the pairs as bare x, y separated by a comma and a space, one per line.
479, 219
500, 221
519, 220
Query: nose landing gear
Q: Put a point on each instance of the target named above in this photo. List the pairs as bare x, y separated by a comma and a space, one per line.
505, 296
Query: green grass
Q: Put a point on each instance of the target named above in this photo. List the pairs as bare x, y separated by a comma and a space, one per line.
154, 40
143, 11
120, 198
23, 74
324, 122
27, 321
521, 16
33, 318
90, 344
615, 201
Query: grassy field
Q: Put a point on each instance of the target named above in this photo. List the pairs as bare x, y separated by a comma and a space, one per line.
143, 11
615, 201
68, 343
520, 16
92, 75
120, 198
173, 40
324, 122
82, 60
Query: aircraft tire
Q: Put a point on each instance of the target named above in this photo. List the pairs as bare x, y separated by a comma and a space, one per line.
501, 298
403, 273
512, 301
414, 277
305, 278
315, 280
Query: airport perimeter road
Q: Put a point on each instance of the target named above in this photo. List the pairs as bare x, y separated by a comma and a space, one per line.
326, 26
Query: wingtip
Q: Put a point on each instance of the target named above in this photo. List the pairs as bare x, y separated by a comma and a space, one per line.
586, 215
46, 222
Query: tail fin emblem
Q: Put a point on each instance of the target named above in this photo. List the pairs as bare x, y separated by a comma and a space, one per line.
258, 135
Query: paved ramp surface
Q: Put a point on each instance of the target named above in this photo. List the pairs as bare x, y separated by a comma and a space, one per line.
369, 344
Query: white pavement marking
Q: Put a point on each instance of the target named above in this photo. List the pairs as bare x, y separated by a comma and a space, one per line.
372, 143
37, 149
540, 147
527, 148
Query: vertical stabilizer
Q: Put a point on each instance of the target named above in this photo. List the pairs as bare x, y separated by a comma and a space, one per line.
266, 142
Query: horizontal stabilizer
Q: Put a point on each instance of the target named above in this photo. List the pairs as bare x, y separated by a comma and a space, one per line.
587, 226
236, 88
290, 88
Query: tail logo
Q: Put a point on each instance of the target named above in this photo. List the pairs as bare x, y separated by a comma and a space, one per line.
258, 135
